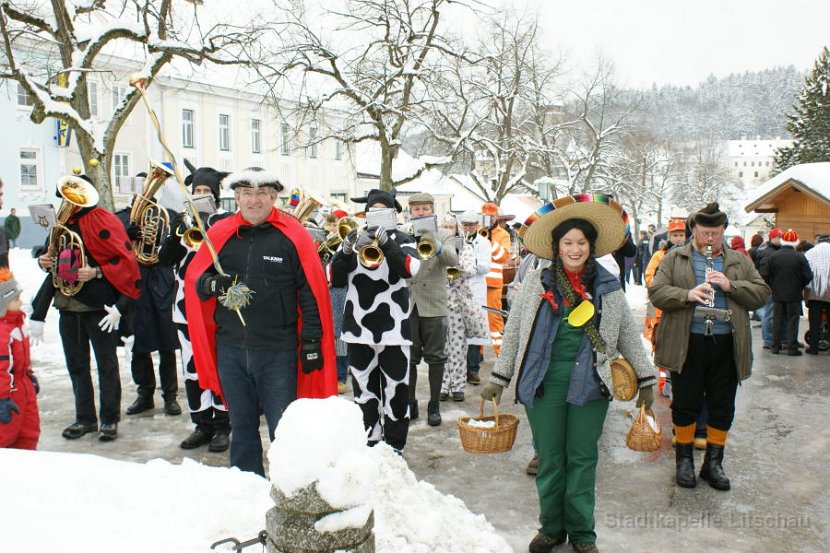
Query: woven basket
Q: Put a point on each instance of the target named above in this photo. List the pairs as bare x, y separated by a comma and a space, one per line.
642, 437
497, 439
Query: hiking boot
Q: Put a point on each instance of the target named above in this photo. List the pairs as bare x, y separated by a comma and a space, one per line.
172, 407
413, 410
533, 466
685, 465
712, 469
76, 430
458, 396
108, 432
140, 405
221, 442
544, 544
198, 438
585, 547
473, 378
443, 396
794, 352
433, 413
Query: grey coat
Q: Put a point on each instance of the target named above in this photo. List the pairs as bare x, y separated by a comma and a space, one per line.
428, 288
616, 326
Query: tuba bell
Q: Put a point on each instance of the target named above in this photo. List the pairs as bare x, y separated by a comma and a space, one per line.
64, 242
149, 216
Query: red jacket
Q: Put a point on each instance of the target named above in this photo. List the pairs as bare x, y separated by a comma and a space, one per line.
15, 360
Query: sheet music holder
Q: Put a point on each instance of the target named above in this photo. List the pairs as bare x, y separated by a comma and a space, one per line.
203, 204
384, 217
424, 224
129, 185
43, 215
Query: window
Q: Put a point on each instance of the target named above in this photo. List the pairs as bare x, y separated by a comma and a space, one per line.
121, 170
119, 92
92, 94
753, 164
187, 128
756, 174
30, 170
740, 174
285, 139
338, 149
312, 139
768, 164
256, 136
224, 132
24, 99
744, 164
736, 164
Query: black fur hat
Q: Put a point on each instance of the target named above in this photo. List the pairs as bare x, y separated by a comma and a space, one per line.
380, 196
204, 176
709, 216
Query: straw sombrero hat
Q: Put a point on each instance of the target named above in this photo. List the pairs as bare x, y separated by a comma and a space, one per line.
603, 212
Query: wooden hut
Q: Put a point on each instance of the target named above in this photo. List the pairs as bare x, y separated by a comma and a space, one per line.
798, 198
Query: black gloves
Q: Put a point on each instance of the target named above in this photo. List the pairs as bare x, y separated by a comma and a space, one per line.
179, 223
349, 242
35, 383
215, 285
134, 232
311, 357
7, 405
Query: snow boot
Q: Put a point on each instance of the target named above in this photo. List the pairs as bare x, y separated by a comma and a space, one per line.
712, 469
685, 465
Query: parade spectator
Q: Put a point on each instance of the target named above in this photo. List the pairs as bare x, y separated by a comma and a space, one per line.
12, 227
19, 417
788, 274
704, 338
818, 291
762, 255
565, 387
737, 244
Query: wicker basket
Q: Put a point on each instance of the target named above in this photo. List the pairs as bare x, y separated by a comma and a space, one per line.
497, 439
642, 437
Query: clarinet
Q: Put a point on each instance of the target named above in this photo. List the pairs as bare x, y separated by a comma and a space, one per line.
710, 266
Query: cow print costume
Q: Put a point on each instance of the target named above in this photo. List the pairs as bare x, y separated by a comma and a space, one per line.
378, 336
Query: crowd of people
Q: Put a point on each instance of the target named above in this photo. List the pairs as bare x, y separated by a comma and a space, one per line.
265, 308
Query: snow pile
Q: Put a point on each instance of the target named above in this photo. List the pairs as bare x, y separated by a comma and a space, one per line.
411, 516
323, 441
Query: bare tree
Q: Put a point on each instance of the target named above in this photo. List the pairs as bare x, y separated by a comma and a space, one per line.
706, 178
369, 62
50, 48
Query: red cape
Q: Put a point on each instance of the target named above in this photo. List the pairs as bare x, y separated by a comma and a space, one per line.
319, 384
106, 239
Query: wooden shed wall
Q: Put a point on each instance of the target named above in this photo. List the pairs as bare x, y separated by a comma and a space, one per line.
802, 213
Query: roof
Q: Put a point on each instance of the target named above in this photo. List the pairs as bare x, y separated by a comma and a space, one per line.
810, 178
755, 148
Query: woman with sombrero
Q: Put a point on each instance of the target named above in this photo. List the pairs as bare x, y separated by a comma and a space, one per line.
568, 320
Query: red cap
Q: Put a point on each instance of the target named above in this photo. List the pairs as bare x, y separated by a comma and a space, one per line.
790, 237
776, 233
677, 224
339, 213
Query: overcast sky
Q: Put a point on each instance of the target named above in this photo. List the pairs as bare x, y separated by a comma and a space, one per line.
683, 42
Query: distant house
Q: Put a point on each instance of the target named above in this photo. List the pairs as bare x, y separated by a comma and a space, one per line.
798, 198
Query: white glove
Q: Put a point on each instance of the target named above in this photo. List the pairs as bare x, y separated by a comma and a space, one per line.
129, 342
35, 332
111, 320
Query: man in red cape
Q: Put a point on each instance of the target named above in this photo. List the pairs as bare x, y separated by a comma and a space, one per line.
244, 363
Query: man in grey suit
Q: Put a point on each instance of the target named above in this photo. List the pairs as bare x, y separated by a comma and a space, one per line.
428, 291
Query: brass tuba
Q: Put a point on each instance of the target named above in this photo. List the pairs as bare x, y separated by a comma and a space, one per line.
149, 216
329, 246
77, 194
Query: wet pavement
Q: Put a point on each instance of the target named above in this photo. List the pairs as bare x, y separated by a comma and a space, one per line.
776, 456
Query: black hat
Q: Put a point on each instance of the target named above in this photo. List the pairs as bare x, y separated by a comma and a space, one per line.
376, 196
709, 216
204, 176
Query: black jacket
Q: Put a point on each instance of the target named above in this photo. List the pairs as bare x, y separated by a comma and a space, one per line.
267, 262
789, 272
762, 255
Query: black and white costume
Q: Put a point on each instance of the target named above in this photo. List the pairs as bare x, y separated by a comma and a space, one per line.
377, 332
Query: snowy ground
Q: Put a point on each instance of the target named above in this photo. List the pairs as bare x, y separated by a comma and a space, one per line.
143, 493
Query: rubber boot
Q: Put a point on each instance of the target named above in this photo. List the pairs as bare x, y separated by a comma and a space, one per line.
685, 465
712, 469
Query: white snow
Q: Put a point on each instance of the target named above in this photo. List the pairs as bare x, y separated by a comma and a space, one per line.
815, 176
79, 502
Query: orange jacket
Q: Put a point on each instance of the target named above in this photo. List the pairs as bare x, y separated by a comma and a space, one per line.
499, 255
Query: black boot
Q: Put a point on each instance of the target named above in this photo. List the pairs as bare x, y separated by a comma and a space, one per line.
433, 413
712, 469
685, 465
141, 404
413, 409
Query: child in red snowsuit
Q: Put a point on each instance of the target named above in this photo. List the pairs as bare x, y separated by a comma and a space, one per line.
19, 418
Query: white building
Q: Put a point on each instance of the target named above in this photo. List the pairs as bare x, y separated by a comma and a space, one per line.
751, 161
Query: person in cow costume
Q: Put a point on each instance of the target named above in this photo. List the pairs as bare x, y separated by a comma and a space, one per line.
208, 413
278, 347
376, 326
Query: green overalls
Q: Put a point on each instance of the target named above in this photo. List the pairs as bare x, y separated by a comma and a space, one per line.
566, 438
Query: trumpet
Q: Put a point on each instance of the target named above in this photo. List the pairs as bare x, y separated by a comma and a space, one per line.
370, 256
191, 236
426, 249
453, 273
77, 194
151, 218
329, 246
484, 232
